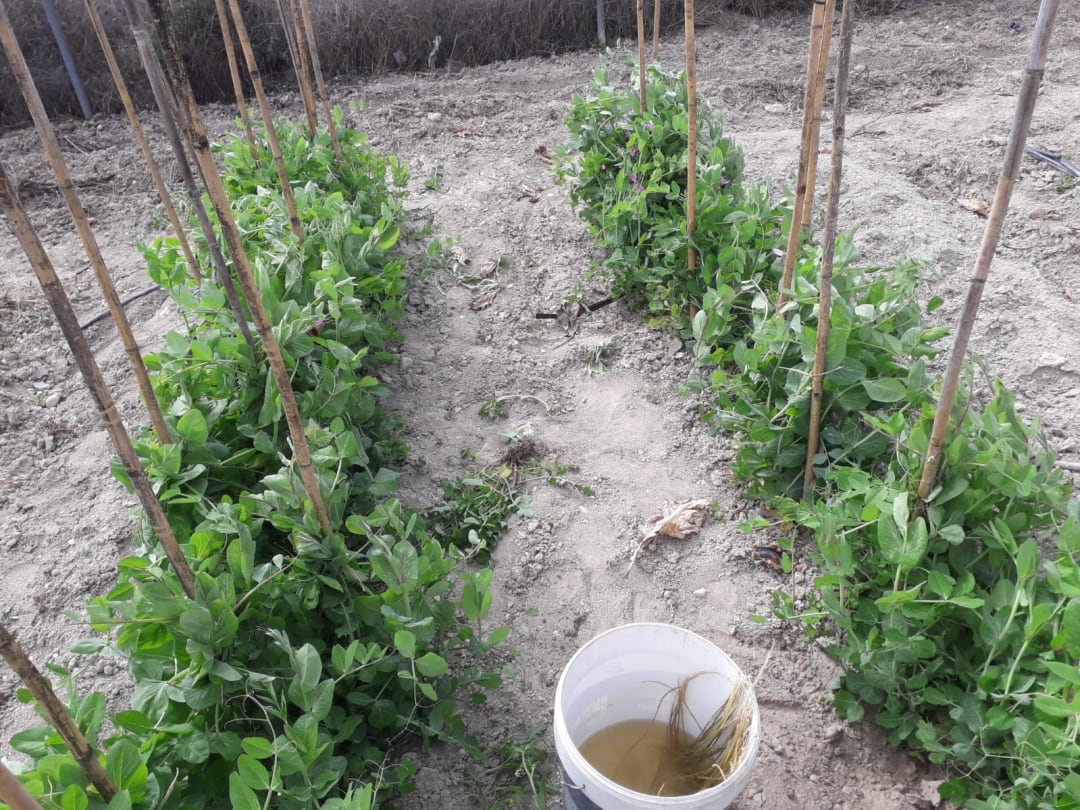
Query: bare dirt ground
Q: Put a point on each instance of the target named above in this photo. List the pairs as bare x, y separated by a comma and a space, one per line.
932, 101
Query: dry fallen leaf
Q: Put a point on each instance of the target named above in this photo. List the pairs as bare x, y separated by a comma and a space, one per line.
677, 520
532, 194
976, 206
543, 153
464, 131
488, 268
1044, 213
484, 301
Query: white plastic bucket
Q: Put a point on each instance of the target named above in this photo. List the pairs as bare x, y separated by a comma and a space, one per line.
625, 674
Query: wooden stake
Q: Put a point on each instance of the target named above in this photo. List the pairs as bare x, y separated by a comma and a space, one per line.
93, 252
234, 71
290, 37
267, 115
84, 358
691, 133
641, 51
59, 717
1014, 152
12, 792
656, 30
216, 191
167, 105
823, 9
140, 136
822, 68
316, 66
303, 68
828, 245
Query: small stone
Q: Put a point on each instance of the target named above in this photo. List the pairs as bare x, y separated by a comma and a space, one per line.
700, 592
53, 399
49, 443
674, 347
814, 778
775, 109
434, 117
406, 363
1050, 360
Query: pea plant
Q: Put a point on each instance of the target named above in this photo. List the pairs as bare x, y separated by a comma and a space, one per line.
957, 619
626, 173
306, 659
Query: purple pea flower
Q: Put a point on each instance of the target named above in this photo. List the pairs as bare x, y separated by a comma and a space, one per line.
634, 151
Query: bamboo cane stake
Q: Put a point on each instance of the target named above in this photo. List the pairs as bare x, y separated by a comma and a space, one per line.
12, 792
215, 189
167, 104
140, 136
691, 133
50, 284
303, 68
836, 169
234, 71
641, 51
267, 115
71, 197
655, 30
59, 717
808, 142
290, 37
819, 102
320, 84
1014, 152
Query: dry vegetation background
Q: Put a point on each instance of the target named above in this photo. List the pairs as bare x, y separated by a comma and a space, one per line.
355, 36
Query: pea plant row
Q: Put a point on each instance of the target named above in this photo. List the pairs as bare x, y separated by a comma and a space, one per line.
957, 617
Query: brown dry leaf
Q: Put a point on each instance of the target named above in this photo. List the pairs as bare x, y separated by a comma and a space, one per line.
976, 206
543, 153
463, 131
484, 301
532, 194
677, 520
487, 269
1044, 213
460, 256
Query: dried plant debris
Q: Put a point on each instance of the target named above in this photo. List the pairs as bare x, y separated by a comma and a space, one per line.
676, 520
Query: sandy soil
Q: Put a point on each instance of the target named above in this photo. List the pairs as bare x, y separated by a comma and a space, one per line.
932, 101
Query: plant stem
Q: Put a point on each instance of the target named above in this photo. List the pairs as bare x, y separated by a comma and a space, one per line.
641, 52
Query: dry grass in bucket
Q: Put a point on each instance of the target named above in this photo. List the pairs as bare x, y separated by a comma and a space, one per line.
716, 751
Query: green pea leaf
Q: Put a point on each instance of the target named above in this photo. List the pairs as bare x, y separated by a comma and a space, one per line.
885, 390
252, 772
1070, 627
242, 797
192, 428
405, 643
257, 747
431, 665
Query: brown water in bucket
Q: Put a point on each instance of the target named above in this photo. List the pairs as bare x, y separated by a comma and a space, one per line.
638, 754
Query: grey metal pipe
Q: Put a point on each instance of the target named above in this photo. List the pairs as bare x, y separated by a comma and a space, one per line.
69, 61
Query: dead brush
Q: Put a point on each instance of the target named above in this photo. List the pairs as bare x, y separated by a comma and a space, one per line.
714, 753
